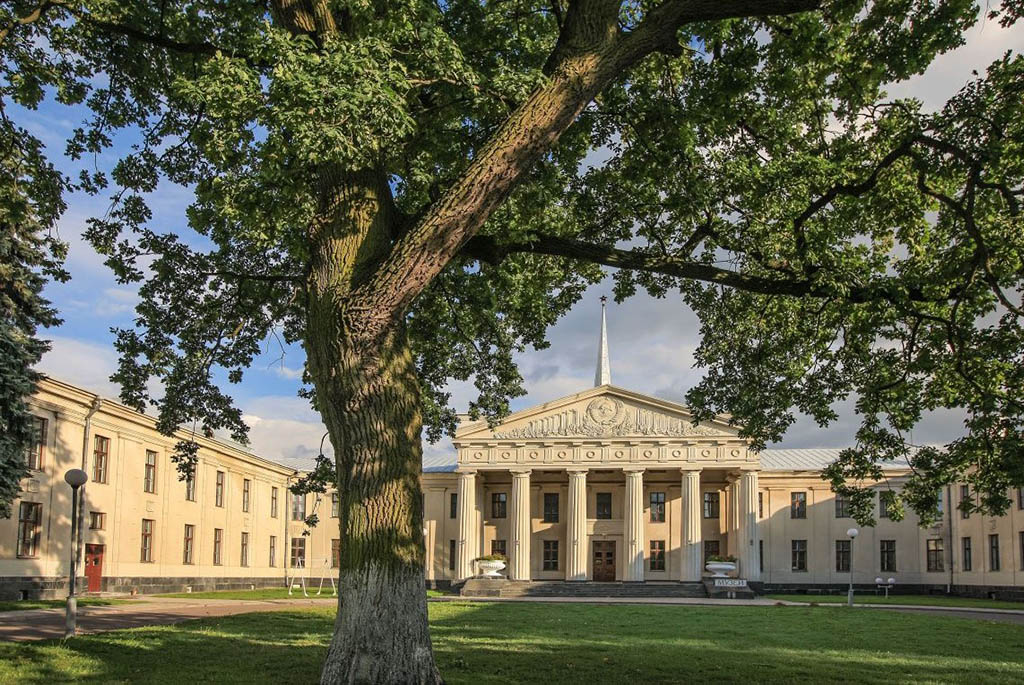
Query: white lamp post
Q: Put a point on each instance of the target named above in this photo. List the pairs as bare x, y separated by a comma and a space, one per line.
849, 595
76, 478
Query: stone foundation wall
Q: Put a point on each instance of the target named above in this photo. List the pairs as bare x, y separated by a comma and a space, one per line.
18, 587
1003, 592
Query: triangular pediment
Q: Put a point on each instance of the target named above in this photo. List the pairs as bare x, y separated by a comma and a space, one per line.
602, 412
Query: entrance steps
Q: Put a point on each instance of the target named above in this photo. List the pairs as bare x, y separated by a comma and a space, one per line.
487, 587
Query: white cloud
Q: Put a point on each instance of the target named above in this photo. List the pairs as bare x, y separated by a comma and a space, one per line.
87, 365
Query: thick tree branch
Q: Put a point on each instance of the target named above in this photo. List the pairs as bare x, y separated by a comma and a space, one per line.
487, 249
590, 54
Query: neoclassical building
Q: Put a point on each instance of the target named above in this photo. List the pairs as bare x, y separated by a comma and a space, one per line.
605, 485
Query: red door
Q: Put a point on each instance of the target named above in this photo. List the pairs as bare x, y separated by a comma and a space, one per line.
94, 567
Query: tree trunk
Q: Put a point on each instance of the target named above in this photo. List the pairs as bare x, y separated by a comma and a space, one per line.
368, 396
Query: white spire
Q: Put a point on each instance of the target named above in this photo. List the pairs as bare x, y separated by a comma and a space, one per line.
604, 367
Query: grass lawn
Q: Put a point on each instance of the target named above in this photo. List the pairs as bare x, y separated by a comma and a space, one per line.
269, 593
557, 643
26, 604
916, 600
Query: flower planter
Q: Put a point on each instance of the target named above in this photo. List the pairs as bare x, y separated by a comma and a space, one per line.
719, 569
490, 569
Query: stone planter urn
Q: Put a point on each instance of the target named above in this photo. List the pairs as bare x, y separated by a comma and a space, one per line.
719, 569
490, 569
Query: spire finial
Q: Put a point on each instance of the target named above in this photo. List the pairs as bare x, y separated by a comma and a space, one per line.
604, 368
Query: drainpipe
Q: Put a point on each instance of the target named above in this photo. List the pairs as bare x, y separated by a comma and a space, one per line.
952, 549
93, 408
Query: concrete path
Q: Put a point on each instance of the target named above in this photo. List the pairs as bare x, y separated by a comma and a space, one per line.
43, 624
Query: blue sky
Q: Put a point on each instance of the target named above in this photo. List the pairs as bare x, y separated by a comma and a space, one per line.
652, 341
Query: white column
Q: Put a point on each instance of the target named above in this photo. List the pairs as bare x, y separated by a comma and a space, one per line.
466, 544
750, 567
633, 526
576, 529
693, 553
519, 569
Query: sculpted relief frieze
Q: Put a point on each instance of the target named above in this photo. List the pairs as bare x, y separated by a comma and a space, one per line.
607, 417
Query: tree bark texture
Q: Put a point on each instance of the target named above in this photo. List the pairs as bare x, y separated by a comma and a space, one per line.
368, 395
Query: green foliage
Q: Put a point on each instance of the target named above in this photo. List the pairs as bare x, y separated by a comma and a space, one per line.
30, 201
848, 246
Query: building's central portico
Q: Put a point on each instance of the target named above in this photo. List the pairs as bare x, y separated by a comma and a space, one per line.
606, 484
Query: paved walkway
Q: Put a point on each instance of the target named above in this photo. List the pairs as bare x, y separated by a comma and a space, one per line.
42, 624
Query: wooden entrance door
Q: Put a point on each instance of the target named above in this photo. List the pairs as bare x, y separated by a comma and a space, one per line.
604, 560
94, 567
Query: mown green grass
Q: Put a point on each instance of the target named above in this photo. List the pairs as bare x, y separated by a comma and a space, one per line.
558, 643
914, 600
27, 604
269, 593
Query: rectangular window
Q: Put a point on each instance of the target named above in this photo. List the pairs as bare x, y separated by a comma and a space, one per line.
604, 505
939, 501
550, 507
34, 455
887, 555
935, 554
760, 505
30, 516
273, 502
244, 552
760, 555
335, 553
550, 555
1020, 498
335, 504
657, 555
298, 556
965, 545
965, 500
149, 481
298, 507
218, 542
219, 492
993, 553
886, 500
97, 520
843, 556
499, 547
842, 506
710, 505
499, 505
273, 550
246, 494
798, 505
657, 507
711, 549
1020, 537
100, 456
187, 554
190, 487
451, 555
799, 555
453, 505
147, 540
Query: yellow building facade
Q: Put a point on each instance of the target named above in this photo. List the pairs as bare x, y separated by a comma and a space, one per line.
605, 485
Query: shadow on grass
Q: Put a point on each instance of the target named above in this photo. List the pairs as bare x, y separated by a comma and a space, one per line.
533, 643
557, 643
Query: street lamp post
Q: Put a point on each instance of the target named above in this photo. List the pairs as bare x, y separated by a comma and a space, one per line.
76, 478
849, 595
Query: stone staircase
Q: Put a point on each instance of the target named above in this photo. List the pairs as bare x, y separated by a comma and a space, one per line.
486, 587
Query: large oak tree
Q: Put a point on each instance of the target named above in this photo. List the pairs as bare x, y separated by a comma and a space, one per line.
415, 190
